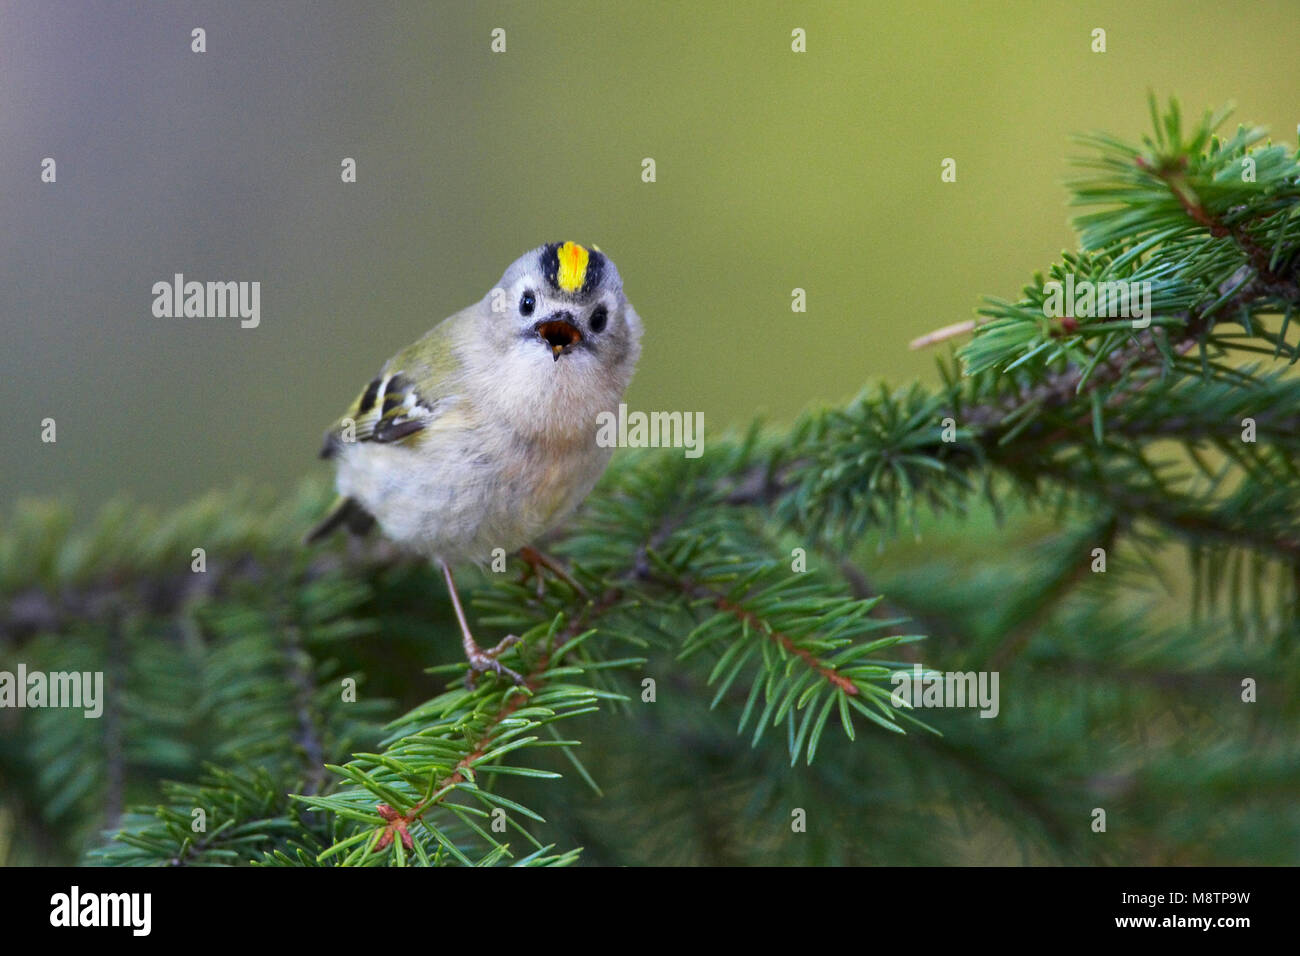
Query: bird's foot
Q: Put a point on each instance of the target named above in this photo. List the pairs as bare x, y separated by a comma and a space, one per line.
536, 561
481, 661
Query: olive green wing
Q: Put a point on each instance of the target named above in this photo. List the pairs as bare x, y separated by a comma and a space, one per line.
409, 394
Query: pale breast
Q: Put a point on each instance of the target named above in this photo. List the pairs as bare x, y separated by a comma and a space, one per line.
462, 493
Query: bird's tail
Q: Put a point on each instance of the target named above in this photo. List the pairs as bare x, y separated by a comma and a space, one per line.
346, 512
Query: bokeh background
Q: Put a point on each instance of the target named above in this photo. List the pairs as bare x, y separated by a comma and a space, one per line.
775, 170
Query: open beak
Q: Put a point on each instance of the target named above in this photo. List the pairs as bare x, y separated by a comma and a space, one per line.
559, 334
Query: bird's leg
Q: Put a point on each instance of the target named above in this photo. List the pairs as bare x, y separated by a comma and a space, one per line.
536, 560
479, 659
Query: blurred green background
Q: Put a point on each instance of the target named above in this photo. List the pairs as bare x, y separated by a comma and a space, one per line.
775, 170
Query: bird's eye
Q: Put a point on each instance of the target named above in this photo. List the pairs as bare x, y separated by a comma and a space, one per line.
598, 319
527, 303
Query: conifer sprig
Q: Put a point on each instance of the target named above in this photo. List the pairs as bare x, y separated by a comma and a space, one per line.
727, 594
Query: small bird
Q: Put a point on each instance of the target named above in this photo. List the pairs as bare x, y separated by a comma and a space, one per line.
482, 434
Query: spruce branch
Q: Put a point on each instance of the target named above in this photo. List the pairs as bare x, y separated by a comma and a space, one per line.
1127, 438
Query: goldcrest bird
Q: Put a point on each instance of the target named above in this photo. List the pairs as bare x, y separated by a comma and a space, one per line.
482, 434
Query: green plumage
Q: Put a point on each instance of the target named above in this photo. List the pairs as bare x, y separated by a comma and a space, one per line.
402, 399
393, 408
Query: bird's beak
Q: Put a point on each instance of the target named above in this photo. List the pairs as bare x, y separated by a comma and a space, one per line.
558, 333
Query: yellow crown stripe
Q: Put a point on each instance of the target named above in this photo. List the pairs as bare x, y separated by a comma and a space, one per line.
573, 266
